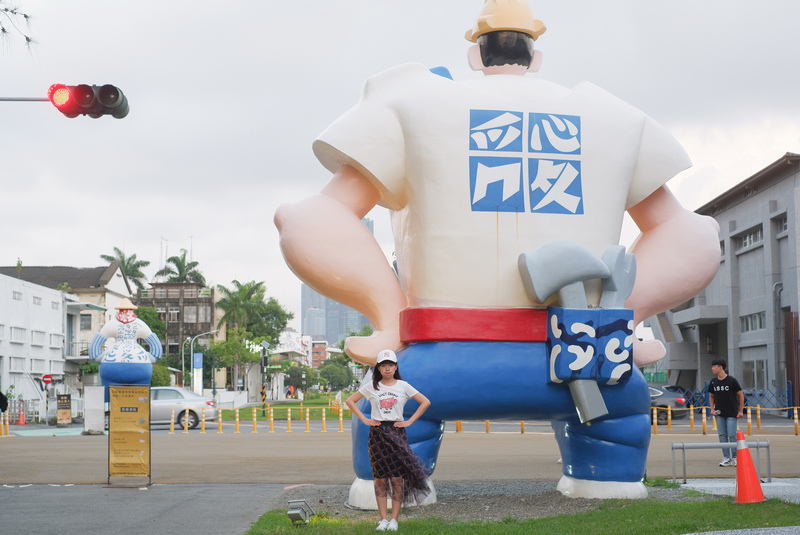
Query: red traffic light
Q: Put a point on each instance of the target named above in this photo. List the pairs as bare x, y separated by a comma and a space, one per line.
91, 100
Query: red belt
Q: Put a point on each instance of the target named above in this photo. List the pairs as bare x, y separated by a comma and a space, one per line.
437, 324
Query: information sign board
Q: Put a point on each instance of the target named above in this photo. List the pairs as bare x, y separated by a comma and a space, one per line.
129, 431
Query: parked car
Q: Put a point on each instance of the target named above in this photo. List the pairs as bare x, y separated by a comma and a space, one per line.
662, 397
188, 406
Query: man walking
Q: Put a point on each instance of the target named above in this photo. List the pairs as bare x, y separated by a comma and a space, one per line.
727, 404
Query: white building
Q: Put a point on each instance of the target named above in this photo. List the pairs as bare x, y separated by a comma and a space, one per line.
34, 322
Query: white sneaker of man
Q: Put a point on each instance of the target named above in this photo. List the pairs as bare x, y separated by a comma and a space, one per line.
392, 525
725, 462
383, 525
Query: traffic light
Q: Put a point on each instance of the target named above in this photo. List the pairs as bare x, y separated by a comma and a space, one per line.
91, 100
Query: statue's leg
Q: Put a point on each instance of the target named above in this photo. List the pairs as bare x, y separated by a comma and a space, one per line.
607, 458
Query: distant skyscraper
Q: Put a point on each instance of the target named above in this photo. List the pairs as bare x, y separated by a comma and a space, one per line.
326, 319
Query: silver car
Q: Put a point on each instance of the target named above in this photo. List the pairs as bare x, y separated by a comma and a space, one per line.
188, 406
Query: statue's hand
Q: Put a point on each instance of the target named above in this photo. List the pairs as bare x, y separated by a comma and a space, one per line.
647, 352
365, 349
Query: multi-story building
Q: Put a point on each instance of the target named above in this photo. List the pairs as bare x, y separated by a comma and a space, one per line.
188, 310
34, 322
96, 291
748, 315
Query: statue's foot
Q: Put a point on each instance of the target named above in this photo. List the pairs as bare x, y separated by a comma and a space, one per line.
362, 495
583, 488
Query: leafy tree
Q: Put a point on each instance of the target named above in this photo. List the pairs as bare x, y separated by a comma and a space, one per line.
161, 376
236, 350
181, 270
149, 315
337, 375
294, 376
246, 309
130, 265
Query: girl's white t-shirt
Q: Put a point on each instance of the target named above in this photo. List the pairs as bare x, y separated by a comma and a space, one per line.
388, 401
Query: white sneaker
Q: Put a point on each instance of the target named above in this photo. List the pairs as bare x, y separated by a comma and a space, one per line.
733, 461
392, 525
725, 462
382, 525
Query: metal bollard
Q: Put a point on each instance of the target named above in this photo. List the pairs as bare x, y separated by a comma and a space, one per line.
219, 420
254, 421
324, 429
237, 421
172, 423
203, 422
288, 420
655, 421
691, 417
308, 420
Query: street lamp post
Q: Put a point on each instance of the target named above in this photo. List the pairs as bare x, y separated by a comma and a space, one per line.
183, 360
191, 354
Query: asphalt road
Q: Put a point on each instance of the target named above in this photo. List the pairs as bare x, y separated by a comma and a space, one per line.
220, 483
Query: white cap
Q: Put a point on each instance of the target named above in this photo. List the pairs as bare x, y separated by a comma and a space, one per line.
387, 355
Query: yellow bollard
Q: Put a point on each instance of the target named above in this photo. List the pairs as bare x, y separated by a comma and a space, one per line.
459, 426
341, 421
796, 426
237, 421
219, 420
487, 426
271, 421
2, 424
713, 423
288, 420
655, 421
669, 418
522, 427
308, 420
172, 423
203, 422
8, 423
324, 429
705, 425
749, 422
691, 417
758, 417
254, 421
185, 422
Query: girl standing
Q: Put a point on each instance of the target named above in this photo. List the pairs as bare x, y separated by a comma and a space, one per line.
393, 462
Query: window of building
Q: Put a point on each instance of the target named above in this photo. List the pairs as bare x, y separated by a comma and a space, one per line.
754, 322
17, 296
17, 364
56, 340
57, 367
190, 314
190, 293
722, 248
162, 313
174, 313
37, 338
18, 335
750, 238
2, 331
754, 374
37, 301
172, 346
55, 305
161, 293
174, 293
86, 322
39, 366
204, 314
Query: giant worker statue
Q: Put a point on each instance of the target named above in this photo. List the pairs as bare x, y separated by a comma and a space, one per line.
511, 296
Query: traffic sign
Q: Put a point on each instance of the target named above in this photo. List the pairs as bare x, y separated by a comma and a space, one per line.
47, 379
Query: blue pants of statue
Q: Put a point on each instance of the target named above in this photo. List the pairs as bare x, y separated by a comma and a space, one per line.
485, 380
125, 374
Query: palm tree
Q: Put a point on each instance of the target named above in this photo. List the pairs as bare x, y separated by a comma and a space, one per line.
181, 270
131, 266
244, 304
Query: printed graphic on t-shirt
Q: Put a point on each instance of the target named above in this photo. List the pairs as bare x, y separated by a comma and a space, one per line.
518, 160
388, 403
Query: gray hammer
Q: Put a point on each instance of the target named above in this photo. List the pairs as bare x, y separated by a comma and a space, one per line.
562, 267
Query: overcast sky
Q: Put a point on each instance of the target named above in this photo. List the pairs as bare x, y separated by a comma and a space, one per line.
226, 98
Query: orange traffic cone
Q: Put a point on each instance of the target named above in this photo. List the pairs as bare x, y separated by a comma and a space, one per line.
22, 417
748, 486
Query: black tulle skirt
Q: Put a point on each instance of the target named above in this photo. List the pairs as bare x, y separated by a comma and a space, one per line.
391, 456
